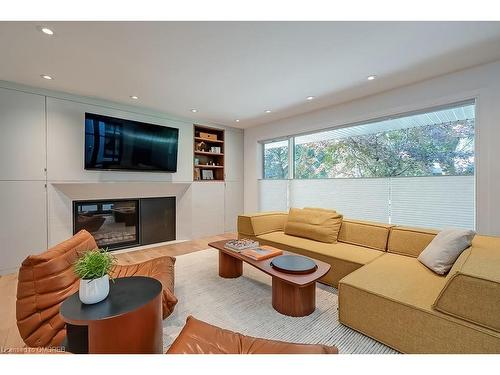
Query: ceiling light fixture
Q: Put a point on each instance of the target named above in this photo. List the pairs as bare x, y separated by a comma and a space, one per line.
46, 76
371, 78
135, 97
237, 120
47, 31
194, 110
310, 98
268, 111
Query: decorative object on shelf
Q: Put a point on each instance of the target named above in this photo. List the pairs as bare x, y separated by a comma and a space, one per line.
197, 175
207, 174
196, 161
215, 149
93, 268
201, 146
210, 136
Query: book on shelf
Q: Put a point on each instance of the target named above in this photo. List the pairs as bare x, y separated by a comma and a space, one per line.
242, 244
262, 252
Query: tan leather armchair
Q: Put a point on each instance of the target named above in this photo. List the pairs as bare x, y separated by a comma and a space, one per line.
47, 279
198, 337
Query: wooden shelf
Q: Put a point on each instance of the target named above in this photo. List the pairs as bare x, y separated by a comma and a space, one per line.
208, 140
209, 166
208, 153
202, 155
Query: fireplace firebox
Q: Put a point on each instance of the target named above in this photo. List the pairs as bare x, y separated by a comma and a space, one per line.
122, 223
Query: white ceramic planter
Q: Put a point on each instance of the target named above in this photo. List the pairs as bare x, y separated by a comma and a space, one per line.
93, 291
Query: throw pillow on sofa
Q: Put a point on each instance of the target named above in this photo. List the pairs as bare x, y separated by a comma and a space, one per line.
322, 226
445, 248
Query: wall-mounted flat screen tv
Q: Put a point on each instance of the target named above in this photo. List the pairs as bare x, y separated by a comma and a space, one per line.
125, 145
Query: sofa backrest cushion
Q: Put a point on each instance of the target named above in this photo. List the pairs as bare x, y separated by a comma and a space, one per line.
365, 233
44, 282
252, 225
320, 209
472, 290
409, 241
322, 226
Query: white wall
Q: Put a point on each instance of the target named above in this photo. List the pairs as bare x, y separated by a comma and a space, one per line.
482, 82
42, 143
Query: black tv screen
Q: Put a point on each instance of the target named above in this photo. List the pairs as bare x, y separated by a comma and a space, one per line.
118, 144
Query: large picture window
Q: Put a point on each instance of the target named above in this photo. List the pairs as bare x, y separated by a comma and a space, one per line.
414, 169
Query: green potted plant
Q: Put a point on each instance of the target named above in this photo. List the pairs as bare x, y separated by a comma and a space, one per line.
93, 268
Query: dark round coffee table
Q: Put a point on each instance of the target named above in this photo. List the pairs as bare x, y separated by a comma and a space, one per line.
129, 320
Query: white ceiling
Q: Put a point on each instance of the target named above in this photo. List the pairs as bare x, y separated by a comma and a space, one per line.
237, 70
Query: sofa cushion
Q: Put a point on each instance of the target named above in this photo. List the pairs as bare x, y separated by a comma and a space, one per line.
472, 291
365, 233
399, 278
390, 300
344, 258
322, 226
445, 248
409, 241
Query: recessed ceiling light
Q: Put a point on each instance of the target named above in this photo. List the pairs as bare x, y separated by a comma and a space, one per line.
135, 97
268, 111
371, 78
238, 120
46, 76
310, 98
47, 31
194, 110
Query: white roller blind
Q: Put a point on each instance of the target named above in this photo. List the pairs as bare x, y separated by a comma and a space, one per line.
273, 195
433, 202
362, 198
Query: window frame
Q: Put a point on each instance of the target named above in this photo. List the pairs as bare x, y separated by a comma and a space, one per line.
291, 165
291, 138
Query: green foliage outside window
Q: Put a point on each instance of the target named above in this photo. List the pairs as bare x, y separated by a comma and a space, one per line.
437, 149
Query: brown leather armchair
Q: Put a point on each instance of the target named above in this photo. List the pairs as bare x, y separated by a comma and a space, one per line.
198, 337
47, 279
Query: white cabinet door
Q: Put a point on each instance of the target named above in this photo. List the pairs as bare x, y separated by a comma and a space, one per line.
23, 223
22, 140
207, 209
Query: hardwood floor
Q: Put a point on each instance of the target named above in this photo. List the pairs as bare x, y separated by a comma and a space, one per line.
9, 335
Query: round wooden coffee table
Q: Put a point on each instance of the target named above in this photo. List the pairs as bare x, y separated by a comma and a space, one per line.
129, 320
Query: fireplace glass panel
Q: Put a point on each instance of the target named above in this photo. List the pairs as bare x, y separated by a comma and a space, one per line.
113, 224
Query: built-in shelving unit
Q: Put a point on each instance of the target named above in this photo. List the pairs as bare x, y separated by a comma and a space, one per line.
208, 154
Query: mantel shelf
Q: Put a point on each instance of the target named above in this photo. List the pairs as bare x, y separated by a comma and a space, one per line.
121, 189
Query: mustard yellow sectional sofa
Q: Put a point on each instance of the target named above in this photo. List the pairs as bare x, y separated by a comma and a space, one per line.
387, 294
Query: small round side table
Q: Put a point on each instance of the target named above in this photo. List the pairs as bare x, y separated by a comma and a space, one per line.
129, 320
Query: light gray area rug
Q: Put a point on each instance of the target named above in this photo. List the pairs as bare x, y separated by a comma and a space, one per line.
244, 305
